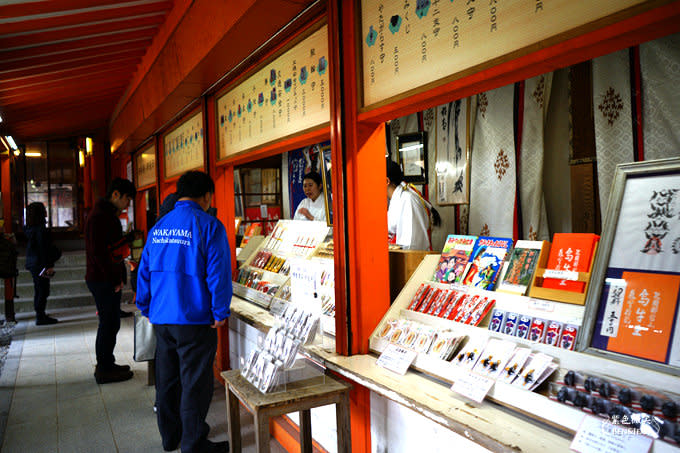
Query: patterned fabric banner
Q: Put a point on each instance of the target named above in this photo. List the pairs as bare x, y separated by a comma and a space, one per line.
660, 64
534, 217
493, 169
613, 121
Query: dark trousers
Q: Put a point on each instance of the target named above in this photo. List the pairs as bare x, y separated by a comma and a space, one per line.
108, 307
41, 291
184, 384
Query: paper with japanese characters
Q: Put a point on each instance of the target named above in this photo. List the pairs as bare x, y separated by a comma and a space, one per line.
639, 301
410, 43
145, 167
288, 95
183, 147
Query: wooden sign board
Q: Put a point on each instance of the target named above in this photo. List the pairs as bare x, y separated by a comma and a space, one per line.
183, 147
406, 45
291, 94
145, 167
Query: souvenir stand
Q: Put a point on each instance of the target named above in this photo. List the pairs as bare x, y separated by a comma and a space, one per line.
385, 75
384, 61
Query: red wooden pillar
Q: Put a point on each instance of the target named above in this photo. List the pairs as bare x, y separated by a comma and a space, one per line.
361, 245
6, 187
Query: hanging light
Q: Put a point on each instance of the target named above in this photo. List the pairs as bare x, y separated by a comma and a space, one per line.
81, 158
88, 145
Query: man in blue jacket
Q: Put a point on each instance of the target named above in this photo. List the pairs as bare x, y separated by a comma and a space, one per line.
184, 288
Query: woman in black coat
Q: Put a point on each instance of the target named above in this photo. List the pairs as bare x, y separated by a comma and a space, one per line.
40, 257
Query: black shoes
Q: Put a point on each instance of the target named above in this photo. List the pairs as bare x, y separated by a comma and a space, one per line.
217, 447
117, 374
45, 320
125, 314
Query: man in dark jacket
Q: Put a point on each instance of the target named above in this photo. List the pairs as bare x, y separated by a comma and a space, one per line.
104, 242
184, 288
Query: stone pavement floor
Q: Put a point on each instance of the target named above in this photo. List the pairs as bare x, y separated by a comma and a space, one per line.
50, 402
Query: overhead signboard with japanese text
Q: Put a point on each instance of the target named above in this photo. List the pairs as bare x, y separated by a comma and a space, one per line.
289, 95
183, 147
145, 167
408, 44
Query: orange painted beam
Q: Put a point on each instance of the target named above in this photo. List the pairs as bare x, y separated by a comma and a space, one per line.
101, 70
82, 63
74, 57
75, 79
43, 7
36, 97
312, 137
160, 7
203, 44
120, 39
84, 31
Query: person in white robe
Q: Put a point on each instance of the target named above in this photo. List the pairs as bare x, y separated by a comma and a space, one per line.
314, 206
408, 214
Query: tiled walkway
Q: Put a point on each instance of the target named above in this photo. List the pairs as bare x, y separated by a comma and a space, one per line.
49, 401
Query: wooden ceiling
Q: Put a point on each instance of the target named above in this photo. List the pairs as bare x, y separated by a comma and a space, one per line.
65, 64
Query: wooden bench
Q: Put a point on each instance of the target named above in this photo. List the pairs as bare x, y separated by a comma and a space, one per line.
299, 396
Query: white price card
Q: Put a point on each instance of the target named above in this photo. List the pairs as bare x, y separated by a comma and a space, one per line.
596, 435
561, 274
541, 305
397, 358
472, 385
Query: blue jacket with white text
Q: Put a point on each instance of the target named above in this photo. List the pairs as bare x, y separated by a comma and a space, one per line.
184, 275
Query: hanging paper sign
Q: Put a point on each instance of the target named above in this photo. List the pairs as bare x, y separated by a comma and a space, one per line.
406, 45
145, 167
287, 96
183, 147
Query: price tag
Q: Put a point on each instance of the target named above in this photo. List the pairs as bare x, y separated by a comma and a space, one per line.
561, 274
596, 435
541, 305
472, 385
396, 358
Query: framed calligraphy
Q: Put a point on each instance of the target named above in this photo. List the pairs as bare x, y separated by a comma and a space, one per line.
632, 303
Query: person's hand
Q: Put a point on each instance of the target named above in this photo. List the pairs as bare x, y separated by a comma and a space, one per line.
50, 271
118, 288
305, 212
217, 324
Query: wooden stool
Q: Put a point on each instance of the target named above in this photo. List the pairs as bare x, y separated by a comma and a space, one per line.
299, 396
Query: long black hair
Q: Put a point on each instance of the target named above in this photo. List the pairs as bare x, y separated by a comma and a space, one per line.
35, 214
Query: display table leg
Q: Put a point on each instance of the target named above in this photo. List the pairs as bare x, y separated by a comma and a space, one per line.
343, 424
261, 431
306, 431
234, 422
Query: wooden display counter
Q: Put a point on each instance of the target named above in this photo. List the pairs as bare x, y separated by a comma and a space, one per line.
402, 265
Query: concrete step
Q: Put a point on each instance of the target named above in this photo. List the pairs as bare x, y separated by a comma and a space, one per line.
57, 288
68, 259
62, 274
25, 304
